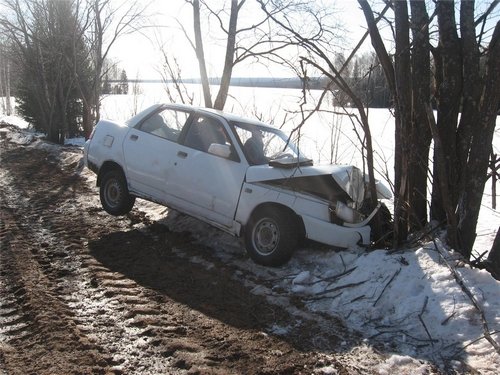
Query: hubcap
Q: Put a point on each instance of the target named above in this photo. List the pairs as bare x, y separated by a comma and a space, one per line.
113, 193
266, 236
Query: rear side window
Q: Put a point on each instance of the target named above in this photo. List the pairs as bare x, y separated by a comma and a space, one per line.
166, 124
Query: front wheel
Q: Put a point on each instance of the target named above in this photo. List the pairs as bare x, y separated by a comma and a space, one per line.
271, 236
115, 198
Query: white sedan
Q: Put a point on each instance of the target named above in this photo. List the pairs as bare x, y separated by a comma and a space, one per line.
242, 176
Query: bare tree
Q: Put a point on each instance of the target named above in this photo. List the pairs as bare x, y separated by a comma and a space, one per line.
5, 79
200, 53
104, 22
171, 74
243, 42
494, 257
85, 31
466, 79
229, 58
317, 46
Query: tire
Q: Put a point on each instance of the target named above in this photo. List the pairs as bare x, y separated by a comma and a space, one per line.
115, 198
271, 236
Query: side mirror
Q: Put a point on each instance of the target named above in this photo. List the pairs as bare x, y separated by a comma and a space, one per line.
217, 149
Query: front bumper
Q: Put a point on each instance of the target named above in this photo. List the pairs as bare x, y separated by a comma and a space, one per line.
335, 235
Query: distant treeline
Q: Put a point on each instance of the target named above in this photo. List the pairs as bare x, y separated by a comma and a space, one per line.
289, 83
373, 92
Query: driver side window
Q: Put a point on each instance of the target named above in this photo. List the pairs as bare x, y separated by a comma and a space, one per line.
205, 131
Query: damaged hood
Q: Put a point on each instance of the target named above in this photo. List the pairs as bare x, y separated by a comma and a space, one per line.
332, 182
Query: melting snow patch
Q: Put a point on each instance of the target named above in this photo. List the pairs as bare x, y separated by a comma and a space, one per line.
327, 370
280, 331
16, 121
402, 365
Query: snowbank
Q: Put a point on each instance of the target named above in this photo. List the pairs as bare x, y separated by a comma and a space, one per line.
408, 303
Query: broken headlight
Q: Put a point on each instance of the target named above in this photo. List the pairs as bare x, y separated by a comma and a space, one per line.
343, 213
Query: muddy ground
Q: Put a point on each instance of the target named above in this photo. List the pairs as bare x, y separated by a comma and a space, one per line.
82, 292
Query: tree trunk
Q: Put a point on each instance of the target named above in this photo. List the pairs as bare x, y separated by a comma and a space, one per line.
470, 200
420, 131
200, 54
494, 257
448, 95
87, 122
440, 167
404, 108
7, 92
472, 83
220, 101
5, 85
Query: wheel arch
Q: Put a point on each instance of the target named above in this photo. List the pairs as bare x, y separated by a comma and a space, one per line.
106, 167
278, 206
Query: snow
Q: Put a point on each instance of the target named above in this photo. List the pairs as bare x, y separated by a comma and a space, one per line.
28, 135
80, 141
15, 120
407, 304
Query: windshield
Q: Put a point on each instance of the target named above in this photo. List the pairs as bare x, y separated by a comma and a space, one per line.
262, 145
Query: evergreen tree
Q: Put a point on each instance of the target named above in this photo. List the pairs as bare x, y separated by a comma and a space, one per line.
50, 50
123, 82
106, 86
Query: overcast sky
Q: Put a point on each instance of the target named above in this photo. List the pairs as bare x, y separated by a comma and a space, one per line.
139, 53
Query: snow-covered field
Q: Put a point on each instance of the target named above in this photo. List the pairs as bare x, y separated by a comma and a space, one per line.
409, 303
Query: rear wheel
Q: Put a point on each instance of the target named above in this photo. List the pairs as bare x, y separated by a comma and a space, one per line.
115, 198
271, 236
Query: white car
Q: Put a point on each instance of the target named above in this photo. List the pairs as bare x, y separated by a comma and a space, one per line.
242, 176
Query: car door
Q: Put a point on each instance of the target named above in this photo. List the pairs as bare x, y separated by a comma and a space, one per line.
150, 150
208, 183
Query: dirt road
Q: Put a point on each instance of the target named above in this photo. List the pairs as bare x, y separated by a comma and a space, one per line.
82, 292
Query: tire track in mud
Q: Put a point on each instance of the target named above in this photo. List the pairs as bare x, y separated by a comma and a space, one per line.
35, 321
59, 256
43, 337
108, 297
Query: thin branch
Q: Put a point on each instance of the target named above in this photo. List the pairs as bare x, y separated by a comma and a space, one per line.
386, 285
461, 283
422, 320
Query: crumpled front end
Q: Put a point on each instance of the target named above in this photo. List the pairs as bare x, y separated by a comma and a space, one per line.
344, 187
351, 180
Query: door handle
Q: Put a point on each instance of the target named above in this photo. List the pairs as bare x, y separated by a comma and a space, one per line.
134, 137
182, 154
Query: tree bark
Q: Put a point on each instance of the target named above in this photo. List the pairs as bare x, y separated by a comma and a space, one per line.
440, 167
472, 83
220, 101
494, 257
200, 54
477, 169
404, 108
420, 131
448, 95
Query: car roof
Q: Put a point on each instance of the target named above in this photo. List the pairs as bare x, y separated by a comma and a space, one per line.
228, 116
